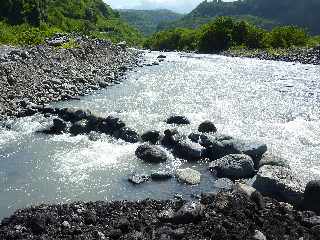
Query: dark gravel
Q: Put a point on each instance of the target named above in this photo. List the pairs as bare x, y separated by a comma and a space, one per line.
223, 216
301, 55
37, 75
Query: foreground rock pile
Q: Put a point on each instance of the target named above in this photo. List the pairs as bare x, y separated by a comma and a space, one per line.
41, 74
301, 55
227, 215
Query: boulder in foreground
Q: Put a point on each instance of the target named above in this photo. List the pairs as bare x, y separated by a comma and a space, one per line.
151, 154
188, 176
233, 166
278, 182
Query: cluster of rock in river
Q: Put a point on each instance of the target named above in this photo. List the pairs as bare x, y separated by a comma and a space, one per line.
301, 55
229, 159
42, 74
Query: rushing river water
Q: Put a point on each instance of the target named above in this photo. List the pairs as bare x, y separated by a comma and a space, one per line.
272, 102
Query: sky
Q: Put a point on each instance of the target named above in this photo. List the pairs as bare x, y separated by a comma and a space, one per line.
182, 6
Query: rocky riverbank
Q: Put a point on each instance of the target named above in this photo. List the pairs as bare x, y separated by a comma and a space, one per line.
228, 215
301, 55
31, 77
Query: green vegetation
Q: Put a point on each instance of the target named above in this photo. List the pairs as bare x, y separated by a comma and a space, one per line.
30, 21
226, 32
147, 21
262, 13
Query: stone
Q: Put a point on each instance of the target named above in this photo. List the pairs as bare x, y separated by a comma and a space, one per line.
223, 184
251, 193
151, 154
207, 127
311, 221
188, 213
80, 127
151, 136
161, 175
216, 149
259, 235
188, 151
162, 56
179, 120
171, 138
127, 135
138, 178
38, 224
110, 125
233, 166
166, 215
254, 149
270, 159
188, 176
278, 182
311, 196
66, 224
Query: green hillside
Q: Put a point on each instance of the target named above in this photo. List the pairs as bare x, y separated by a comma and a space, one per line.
147, 21
43, 17
304, 13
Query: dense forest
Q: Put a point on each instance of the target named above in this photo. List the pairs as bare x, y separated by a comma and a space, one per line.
147, 21
226, 32
303, 13
30, 21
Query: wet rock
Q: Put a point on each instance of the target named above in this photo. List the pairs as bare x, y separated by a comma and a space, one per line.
188, 213
127, 135
80, 127
59, 126
124, 225
171, 138
151, 154
311, 197
233, 166
138, 178
278, 182
188, 151
311, 221
216, 149
194, 137
188, 176
110, 125
161, 56
122, 45
251, 193
161, 175
38, 224
259, 235
89, 217
223, 184
179, 120
254, 149
66, 225
151, 136
270, 159
207, 127
166, 215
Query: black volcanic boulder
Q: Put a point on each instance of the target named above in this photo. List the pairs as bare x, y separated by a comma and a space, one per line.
233, 166
151, 136
311, 197
110, 125
151, 154
59, 126
74, 115
188, 151
80, 127
254, 149
279, 183
171, 138
207, 127
179, 120
127, 135
188, 213
215, 149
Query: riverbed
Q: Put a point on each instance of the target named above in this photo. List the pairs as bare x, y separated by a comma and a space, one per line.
272, 102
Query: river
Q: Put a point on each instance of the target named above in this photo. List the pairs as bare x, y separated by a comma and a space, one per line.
272, 102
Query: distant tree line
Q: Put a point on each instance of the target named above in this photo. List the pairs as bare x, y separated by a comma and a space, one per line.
224, 33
